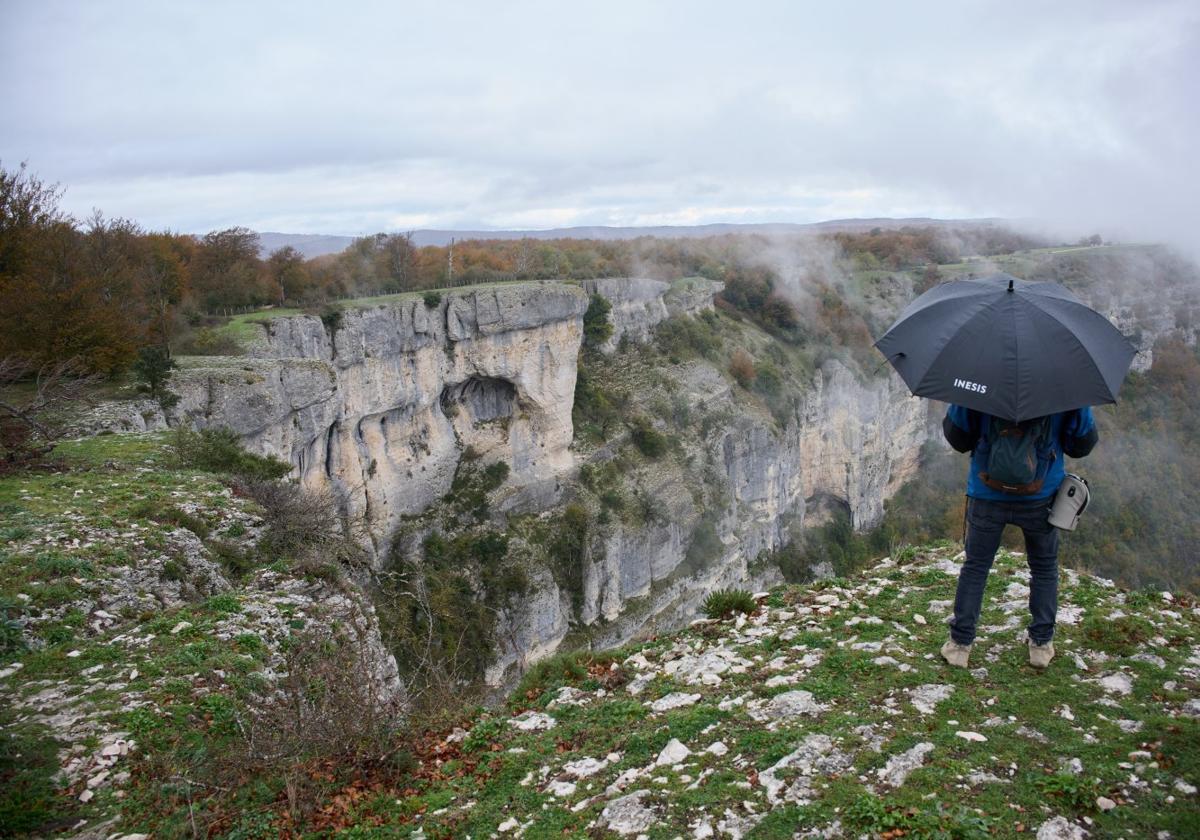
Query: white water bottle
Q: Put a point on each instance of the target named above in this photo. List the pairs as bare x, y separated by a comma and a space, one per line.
1069, 502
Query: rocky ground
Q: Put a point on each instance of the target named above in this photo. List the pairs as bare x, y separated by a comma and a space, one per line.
828, 713
134, 610
134, 630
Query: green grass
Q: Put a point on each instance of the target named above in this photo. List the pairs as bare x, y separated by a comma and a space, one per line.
936, 799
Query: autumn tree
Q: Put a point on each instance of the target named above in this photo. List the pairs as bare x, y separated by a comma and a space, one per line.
289, 275
225, 272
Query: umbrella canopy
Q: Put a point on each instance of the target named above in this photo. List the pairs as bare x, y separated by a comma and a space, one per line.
1007, 347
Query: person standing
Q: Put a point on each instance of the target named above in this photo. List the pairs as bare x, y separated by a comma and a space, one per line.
1014, 474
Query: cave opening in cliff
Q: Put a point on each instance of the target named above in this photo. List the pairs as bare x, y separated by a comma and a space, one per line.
482, 398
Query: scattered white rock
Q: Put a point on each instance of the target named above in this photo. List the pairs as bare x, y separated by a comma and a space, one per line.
925, 697
584, 767
790, 704
509, 824
717, 748
816, 757
180, 627
673, 753
1104, 803
1153, 658
899, 766
1072, 765
532, 721
1059, 828
919, 619
674, 700
561, 789
967, 735
1117, 683
627, 815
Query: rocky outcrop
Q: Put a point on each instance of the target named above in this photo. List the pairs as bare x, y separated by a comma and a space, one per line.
639, 303
379, 405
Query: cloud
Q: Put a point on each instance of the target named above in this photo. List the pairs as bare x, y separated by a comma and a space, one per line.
538, 114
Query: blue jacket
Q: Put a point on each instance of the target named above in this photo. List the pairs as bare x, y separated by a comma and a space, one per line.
1073, 433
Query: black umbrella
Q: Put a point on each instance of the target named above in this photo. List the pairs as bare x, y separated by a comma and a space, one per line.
1007, 347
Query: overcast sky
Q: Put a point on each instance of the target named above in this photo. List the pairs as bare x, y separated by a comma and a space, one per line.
357, 117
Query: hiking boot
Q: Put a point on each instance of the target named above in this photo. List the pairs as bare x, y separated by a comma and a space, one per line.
956, 654
1040, 655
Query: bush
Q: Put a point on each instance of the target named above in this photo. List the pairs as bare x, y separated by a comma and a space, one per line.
597, 329
331, 318
152, 370
649, 441
432, 299
220, 451
741, 366
681, 337
725, 602
12, 628
596, 410
209, 342
305, 527
567, 548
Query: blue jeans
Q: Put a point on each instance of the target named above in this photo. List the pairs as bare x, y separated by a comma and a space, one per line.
985, 524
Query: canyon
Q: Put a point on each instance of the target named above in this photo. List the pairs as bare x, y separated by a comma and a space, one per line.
378, 407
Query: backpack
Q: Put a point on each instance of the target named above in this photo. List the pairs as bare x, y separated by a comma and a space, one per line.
1016, 456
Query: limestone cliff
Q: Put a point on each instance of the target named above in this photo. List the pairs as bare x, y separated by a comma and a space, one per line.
379, 405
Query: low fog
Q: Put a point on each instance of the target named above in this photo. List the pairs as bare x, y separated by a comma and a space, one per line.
1074, 118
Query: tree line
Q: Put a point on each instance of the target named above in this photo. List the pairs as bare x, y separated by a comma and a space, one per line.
100, 290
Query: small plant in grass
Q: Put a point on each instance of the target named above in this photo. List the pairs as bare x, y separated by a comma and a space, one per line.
725, 602
483, 734
1074, 792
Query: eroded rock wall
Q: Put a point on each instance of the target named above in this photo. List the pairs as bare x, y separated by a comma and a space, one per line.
379, 406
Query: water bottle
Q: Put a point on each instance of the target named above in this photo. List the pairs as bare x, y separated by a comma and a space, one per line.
1069, 502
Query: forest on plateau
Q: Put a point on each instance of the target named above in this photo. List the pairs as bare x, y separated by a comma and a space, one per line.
100, 289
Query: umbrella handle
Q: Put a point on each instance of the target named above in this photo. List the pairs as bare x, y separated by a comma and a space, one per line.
887, 359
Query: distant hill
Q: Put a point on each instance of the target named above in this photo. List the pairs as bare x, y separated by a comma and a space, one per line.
314, 245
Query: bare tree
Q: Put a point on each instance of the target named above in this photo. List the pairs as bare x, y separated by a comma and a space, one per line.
37, 405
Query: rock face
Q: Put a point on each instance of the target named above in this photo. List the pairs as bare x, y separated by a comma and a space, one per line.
638, 303
379, 406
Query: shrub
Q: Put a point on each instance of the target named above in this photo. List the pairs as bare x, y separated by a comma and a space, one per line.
741, 366
567, 548
152, 370
331, 317
432, 299
596, 410
649, 441
220, 451
180, 517
725, 602
680, 337
304, 526
597, 329
209, 342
